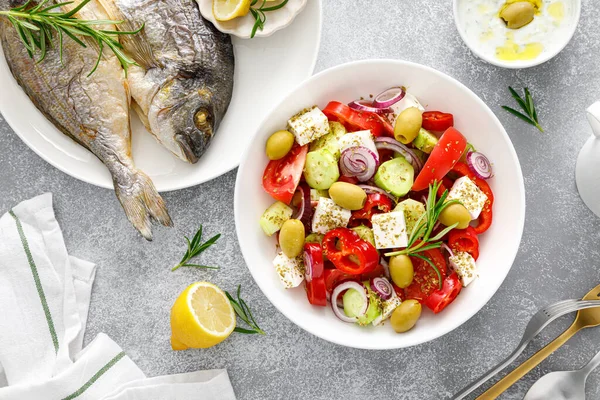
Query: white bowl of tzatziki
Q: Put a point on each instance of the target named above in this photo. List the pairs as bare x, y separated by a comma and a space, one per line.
499, 31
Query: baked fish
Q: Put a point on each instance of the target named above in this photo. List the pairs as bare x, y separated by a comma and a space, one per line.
184, 81
93, 110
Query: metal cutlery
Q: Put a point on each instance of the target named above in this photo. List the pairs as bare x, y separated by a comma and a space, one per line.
538, 322
585, 319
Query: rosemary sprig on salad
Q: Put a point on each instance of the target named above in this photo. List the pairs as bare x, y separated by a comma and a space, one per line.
37, 26
259, 14
420, 239
194, 248
243, 312
526, 105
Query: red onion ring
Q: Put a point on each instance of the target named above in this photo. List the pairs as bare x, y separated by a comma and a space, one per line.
389, 97
447, 248
480, 165
364, 105
336, 293
359, 162
304, 211
394, 145
369, 189
386, 267
382, 287
308, 266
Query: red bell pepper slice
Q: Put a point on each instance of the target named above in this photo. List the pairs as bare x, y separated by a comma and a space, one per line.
349, 253
376, 203
440, 299
445, 154
437, 121
355, 120
316, 290
464, 240
486, 216
333, 277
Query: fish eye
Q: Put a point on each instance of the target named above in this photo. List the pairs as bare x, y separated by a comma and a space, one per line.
201, 119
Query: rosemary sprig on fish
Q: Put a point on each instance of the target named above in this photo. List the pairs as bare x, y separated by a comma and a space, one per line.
35, 26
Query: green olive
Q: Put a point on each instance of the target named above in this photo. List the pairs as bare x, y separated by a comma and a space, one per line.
517, 15
401, 270
291, 238
406, 315
408, 124
279, 144
455, 213
347, 195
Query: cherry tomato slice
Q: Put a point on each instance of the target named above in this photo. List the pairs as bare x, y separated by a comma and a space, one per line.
437, 121
281, 177
425, 279
445, 154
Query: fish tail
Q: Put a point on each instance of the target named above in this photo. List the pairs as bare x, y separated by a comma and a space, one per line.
142, 203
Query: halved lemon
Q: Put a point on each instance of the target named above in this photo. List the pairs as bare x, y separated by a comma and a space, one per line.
201, 317
226, 10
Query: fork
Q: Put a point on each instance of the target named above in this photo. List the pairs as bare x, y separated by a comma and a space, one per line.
538, 322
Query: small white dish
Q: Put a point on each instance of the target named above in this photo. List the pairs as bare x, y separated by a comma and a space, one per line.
498, 246
242, 26
554, 42
265, 70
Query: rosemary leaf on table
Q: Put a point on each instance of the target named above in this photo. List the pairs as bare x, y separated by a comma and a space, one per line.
243, 312
527, 105
194, 248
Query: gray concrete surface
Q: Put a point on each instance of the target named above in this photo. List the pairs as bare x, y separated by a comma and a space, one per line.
559, 255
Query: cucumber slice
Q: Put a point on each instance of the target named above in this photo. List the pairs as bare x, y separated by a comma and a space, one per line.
314, 238
365, 233
321, 169
373, 311
353, 303
329, 142
274, 217
412, 212
425, 141
395, 176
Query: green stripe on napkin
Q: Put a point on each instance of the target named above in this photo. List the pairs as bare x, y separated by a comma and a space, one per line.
96, 376
38, 283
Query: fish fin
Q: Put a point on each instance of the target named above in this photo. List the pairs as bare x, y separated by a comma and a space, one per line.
136, 45
142, 203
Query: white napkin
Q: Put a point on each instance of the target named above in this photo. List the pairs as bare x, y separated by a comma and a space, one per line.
44, 301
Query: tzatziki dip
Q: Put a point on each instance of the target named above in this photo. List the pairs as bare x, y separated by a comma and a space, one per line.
512, 31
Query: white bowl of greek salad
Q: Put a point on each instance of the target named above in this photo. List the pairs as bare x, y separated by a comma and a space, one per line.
380, 205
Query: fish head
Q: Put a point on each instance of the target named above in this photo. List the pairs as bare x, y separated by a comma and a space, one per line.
184, 117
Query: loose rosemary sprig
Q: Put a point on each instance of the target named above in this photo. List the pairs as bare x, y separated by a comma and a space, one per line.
527, 105
35, 27
259, 14
194, 248
424, 226
243, 312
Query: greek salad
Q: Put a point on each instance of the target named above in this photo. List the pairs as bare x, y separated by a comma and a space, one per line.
378, 208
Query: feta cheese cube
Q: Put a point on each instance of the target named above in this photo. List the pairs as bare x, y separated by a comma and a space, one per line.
329, 215
464, 266
408, 101
389, 230
467, 192
360, 138
387, 308
289, 270
308, 125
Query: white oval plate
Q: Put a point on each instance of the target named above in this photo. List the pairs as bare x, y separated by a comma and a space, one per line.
266, 70
498, 246
242, 26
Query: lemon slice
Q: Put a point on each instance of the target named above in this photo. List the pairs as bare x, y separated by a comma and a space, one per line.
201, 317
226, 10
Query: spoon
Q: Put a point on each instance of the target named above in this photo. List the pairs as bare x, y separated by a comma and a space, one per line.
585, 319
563, 385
